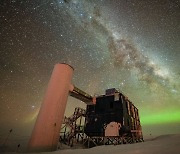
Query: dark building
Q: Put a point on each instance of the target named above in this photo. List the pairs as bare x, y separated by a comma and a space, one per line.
113, 115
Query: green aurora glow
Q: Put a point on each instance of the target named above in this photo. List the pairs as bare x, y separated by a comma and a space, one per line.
172, 116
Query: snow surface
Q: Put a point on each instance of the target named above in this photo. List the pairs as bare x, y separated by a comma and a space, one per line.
166, 144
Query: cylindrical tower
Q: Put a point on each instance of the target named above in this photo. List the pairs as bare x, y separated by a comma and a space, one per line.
45, 134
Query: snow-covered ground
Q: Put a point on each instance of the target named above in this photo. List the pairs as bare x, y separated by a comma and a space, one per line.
166, 144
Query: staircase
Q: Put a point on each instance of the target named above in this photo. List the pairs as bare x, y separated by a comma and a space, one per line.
71, 123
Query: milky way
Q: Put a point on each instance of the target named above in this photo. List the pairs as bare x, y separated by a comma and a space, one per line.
129, 45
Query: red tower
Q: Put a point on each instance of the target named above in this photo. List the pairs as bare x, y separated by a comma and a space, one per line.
45, 134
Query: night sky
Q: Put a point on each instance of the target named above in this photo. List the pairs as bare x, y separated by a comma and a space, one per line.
132, 45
